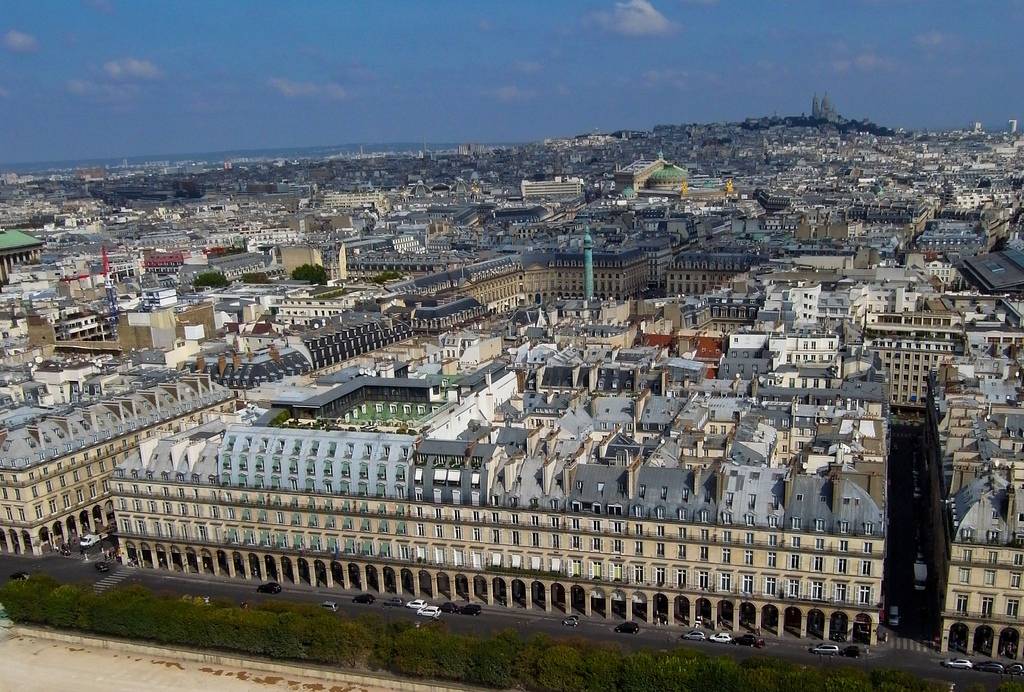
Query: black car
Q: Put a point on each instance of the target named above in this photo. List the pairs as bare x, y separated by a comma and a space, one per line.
102, 566
990, 667
471, 609
749, 640
269, 587
393, 602
851, 652
449, 607
364, 598
19, 576
627, 628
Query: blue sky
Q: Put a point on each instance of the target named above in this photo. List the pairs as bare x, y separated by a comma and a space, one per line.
111, 78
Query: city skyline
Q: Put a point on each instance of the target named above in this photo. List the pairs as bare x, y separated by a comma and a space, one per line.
110, 79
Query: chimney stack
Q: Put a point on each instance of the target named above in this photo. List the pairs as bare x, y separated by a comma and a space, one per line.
222, 365
200, 363
236, 360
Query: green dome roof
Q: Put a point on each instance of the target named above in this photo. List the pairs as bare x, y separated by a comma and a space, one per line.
669, 174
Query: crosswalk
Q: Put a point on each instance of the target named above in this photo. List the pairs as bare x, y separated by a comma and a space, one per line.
906, 644
113, 578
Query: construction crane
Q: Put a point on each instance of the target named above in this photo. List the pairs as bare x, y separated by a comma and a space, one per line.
108, 282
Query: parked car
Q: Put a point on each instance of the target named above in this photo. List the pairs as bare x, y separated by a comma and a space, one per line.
990, 667
102, 566
721, 638
959, 663
330, 605
749, 640
364, 598
393, 602
19, 576
627, 628
449, 607
851, 651
471, 609
825, 650
416, 604
269, 587
429, 611
89, 540
571, 621
694, 636
1015, 669
894, 616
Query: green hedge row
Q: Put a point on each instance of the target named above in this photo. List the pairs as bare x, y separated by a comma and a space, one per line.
301, 632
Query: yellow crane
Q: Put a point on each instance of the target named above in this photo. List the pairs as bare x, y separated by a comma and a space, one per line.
728, 186
684, 189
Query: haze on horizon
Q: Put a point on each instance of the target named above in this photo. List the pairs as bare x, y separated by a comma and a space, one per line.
111, 78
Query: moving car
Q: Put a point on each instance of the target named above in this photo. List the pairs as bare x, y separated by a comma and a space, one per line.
1015, 669
19, 576
749, 640
721, 638
694, 636
429, 611
364, 598
394, 602
102, 566
990, 667
330, 605
416, 604
89, 540
851, 651
471, 609
449, 607
627, 628
825, 650
571, 621
269, 587
958, 663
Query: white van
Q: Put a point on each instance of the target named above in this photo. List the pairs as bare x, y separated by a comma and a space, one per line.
89, 540
894, 616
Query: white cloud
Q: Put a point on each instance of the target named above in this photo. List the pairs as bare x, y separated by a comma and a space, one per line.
528, 66
132, 68
634, 18
931, 39
19, 42
510, 94
100, 91
291, 89
868, 61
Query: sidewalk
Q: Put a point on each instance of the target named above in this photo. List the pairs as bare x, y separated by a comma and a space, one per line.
39, 665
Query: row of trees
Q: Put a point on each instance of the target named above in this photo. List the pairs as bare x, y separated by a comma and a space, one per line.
299, 632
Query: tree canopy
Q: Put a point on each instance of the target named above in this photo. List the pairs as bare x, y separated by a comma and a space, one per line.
312, 273
211, 279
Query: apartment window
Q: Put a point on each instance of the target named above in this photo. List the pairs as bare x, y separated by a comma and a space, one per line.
865, 568
703, 553
770, 586
794, 561
724, 581
986, 606
961, 603
748, 583
841, 565
990, 577
703, 579
748, 557
864, 595
771, 559
817, 563
726, 555
793, 588
1015, 580
1012, 607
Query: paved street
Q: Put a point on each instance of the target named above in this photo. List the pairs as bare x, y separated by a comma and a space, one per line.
895, 654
